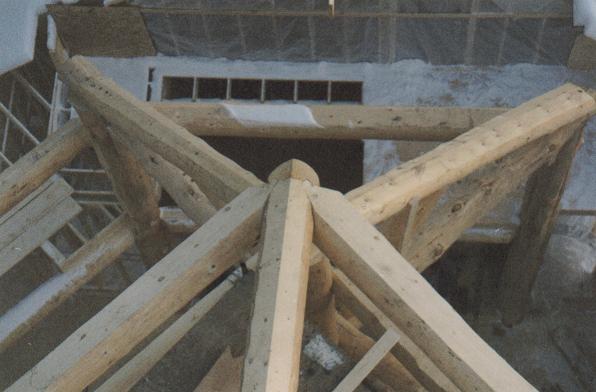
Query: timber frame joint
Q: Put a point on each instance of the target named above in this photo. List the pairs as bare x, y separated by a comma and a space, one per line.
317, 247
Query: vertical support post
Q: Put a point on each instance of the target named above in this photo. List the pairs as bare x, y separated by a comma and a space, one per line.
138, 193
538, 215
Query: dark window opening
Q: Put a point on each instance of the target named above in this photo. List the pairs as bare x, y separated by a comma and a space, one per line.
312, 90
211, 88
246, 89
346, 92
282, 90
337, 162
261, 90
175, 88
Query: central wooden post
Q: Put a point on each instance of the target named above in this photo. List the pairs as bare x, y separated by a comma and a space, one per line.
272, 361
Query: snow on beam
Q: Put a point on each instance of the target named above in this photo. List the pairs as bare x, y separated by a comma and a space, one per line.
326, 122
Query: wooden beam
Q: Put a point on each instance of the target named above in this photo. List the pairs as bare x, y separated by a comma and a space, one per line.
179, 186
538, 215
369, 361
33, 220
478, 194
134, 370
405, 351
219, 177
138, 193
347, 122
390, 371
151, 299
80, 267
40, 230
272, 360
37, 204
392, 284
451, 161
39, 164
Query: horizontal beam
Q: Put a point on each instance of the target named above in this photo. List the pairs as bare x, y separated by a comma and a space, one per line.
477, 195
454, 160
339, 13
328, 121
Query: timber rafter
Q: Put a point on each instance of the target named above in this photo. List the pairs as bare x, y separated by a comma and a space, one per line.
314, 251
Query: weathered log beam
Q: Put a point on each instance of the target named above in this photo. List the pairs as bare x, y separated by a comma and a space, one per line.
410, 356
218, 176
272, 360
80, 267
344, 122
372, 360
538, 215
393, 285
152, 299
137, 192
179, 186
39, 164
452, 161
478, 194
133, 371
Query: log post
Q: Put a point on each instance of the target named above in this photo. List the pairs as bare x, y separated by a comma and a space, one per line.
138, 193
538, 215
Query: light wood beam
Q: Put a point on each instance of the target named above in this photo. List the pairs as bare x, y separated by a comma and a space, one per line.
539, 212
406, 351
133, 371
152, 299
39, 164
392, 284
272, 360
179, 186
138, 193
40, 229
219, 177
369, 361
390, 371
80, 268
477, 195
451, 161
347, 122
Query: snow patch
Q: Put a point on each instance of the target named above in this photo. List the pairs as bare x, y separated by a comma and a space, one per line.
281, 115
323, 353
584, 14
52, 34
18, 27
